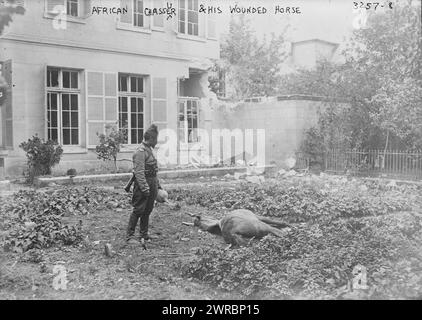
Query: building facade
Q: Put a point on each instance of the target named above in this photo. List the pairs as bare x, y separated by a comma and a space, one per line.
75, 68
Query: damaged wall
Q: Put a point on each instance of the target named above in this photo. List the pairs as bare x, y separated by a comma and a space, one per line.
284, 122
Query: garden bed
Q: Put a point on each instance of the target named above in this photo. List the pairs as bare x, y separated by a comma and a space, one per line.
338, 225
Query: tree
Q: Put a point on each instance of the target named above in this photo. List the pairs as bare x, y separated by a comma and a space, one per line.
7, 10
380, 80
109, 145
252, 66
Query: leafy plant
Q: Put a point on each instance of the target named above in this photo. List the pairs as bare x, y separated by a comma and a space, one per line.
34, 219
110, 144
339, 224
71, 172
251, 67
312, 147
42, 156
7, 10
299, 201
317, 261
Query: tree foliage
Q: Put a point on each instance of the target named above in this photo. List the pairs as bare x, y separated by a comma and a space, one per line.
380, 80
42, 156
7, 10
252, 67
109, 145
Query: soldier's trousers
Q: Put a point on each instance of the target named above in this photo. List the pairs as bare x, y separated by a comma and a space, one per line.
142, 207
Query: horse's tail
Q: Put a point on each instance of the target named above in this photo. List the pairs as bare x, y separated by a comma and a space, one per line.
278, 233
274, 223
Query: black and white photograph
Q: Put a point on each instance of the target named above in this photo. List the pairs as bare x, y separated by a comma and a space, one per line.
210, 150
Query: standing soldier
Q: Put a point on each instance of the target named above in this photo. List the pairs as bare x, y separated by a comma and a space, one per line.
146, 185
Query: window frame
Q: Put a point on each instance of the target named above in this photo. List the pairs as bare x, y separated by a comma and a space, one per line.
147, 20
136, 13
186, 18
60, 90
80, 19
129, 95
185, 100
78, 8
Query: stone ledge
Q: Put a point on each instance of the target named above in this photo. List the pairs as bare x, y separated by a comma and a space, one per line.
170, 174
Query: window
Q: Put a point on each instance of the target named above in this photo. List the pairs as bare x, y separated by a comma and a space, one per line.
138, 15
72, 8
76, 10
158, 20
133, 16
188, 120
131, 107
63, 106
189, 17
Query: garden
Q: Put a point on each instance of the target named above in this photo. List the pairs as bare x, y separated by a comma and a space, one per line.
350, 239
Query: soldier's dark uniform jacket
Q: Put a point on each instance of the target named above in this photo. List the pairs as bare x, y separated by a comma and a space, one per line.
145, 189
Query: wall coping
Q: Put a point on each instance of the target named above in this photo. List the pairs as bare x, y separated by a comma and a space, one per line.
168, 174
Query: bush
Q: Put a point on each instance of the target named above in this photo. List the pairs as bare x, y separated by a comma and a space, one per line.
110, 145
42, 156
312, 147
71, 172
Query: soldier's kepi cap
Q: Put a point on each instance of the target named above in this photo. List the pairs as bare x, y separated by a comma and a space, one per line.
152, 132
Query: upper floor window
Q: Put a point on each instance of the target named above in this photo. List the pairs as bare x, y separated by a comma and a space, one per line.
72, 7
138, 13
189, 17
134, 13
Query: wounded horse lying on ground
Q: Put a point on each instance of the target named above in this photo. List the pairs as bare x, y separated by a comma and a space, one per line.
238, 226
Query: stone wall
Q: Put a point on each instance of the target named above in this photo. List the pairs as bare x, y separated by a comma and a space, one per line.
284, 119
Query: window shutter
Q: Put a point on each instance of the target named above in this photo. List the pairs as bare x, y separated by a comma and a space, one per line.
159, 102
158, 20
8, 111
19, 3
127, 17
175, 19
211, 26
101, 104
52, 6
202, 24
87, 9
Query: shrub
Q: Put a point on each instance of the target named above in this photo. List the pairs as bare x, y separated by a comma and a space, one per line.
110, 145
312, 148
42, 156
71, 172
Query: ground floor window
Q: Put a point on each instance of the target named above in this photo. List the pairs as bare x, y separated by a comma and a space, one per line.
188, 120
131, 108
63, 97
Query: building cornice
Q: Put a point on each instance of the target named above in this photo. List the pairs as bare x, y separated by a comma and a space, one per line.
89, 47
